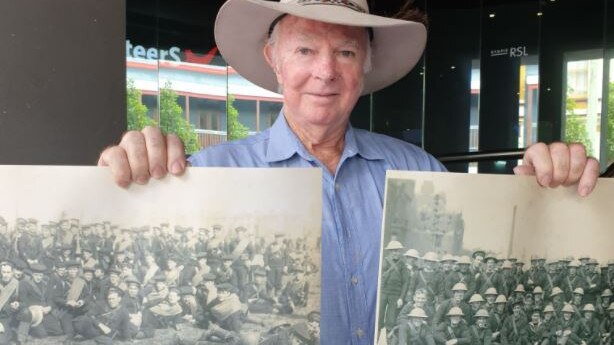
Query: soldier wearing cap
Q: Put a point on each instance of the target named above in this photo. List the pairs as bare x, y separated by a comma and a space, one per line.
298, 334
227, 312
507, 278
35, 298
226, 273
257, 295
550, 324
193, 312
395, 281
481, 333
536, 274
133, 301
454, 329
514, 330
477, 261
593, 284
276, 264
416, 329
9, 304
538, 298
587, 326
536, 330
489, 277
106, 321
161, 314
295, 293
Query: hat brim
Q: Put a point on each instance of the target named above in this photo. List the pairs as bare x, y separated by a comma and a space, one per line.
241, 30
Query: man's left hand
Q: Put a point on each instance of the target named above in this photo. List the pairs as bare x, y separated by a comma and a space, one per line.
560, 164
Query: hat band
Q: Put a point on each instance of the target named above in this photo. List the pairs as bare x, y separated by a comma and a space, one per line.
345, 3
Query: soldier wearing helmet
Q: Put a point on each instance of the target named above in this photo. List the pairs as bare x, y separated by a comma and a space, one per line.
459, 291
454, 330
462, 275
498, 316
564, 330
587, 326
394, 282
416, 330
480, 331
607, 325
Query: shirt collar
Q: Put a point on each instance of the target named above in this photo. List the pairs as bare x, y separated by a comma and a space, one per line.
283, 144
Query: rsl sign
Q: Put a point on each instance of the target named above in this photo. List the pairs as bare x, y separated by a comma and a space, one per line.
511, 52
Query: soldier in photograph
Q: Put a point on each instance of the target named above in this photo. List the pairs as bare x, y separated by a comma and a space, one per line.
454, 330
415, 329
456, 301
9, 303
395, 281
607, 326
497, 317
565, 328
462, 275
515, 327
480, 332
106, 321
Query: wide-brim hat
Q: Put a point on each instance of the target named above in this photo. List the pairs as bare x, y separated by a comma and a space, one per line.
242, 28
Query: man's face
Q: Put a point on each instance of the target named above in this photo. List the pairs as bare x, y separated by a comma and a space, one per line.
481, 322
547, 316
516, 310
567, 316
113, 299
458, 296
37, 277
133, 290
73, 271
535, 318
319, 67
455, 320
7, 273
173, 297
419, 299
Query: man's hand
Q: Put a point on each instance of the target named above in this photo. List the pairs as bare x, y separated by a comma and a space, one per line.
141, 155
560, 164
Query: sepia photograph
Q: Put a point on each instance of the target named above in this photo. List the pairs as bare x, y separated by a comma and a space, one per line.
490, 259
216, 256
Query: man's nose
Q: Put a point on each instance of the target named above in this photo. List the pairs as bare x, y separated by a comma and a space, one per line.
326, 67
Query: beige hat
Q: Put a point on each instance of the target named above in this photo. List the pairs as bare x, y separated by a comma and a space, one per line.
392, 245
476, 298
481, 313
455, 311
418, 312
412, 253
589, 307
459, 287
242, 28
501, 299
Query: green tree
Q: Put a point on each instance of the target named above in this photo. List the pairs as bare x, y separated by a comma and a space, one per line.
610, 138
137, 111
575, 125
236, 130
172, 119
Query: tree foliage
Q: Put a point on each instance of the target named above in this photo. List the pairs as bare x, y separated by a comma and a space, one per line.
236, 130
137, 111
172, 119
610, 138
575, 125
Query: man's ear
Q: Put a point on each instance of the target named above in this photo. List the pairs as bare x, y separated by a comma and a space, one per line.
271, 60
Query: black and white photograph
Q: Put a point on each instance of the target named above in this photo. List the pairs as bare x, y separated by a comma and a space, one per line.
216, 256
460, 264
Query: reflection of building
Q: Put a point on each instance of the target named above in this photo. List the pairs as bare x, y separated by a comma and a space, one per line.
203, 91
422, 219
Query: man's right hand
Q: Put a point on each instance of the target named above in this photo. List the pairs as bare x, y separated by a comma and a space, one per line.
144, 154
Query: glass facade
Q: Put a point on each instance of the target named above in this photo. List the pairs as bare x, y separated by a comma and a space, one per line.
496, 76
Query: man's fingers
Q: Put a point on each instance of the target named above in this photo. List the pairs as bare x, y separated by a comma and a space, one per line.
589, 177
559, 153
538, 157
115, 158
133, 143
156, 151
524, 170
577, 163
176, 162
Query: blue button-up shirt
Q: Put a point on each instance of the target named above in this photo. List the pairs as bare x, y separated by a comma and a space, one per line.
351, 218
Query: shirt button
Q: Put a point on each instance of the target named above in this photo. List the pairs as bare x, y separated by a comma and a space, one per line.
360, 333
354, 280
337, 186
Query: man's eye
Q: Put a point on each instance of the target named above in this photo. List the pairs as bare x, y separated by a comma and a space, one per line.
304, 51
348, 53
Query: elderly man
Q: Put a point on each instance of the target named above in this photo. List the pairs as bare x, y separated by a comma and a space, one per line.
306, 50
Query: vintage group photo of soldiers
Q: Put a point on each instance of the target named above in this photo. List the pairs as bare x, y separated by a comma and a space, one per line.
485, 298
64, 281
